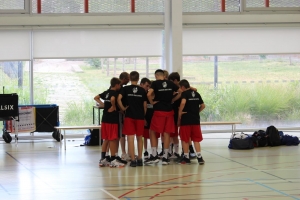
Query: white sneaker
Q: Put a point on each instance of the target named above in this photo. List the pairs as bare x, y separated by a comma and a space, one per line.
125, 157
116, 163
104, 163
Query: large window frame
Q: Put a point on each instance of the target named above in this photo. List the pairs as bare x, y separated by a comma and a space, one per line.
244, 7
26, 10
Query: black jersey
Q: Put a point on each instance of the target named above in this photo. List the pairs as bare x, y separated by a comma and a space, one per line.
163, 90
175, 106
109, 117
149, 114
192, 105
135, 96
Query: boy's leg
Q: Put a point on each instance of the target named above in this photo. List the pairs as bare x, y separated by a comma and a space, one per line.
153, 142
130, 140
140, 146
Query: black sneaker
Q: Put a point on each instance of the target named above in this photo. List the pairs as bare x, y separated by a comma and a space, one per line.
161, 154
200, 160
108, 158
133, 163
169, 155
184, 160
139, 162
152, 160
165, 161
146, 155
121, 161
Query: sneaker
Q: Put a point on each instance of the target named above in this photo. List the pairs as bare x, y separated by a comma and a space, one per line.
165, 161
152, 160
169, 155
200, 160
121, 161
175, 156
133, 163
184, 161
161, 154
192, 155
139, 162
125, 156
104, 163
146, 155
116, 163
108, 158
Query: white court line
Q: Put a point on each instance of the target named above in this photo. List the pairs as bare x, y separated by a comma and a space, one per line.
109, 194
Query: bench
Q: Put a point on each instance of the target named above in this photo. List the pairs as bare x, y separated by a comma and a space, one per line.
232, 123
64, 128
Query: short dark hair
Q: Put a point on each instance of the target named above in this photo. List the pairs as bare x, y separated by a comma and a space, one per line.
114, 81
134, 76
123, 75
174, 76
184, 83
145, 80
159, 71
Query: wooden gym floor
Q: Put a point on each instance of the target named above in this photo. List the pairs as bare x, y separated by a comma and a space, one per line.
42, 169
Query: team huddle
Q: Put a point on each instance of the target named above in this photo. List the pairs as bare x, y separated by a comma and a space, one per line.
167, 107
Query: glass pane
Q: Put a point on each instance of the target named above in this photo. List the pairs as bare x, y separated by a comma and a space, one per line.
255, 3
57, 6
284, 3
109, 6
232, 5
258, 90
201, 5
12, 5
149, 6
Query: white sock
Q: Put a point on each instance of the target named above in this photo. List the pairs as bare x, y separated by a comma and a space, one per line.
170, 148
166, 151
107, 154
116, 154
154, 151
198, 154
176, 146
186, 155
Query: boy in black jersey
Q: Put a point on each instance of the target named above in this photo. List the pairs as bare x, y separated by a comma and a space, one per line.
109, 125
189, 121
162, 120
134, 116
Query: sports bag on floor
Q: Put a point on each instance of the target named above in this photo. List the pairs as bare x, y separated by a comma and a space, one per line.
238, 143
259, 139
289, 140
273, 136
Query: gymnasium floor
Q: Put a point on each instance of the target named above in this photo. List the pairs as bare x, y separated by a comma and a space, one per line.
42, 169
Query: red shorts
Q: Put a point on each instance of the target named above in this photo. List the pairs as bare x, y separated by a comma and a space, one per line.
175, 134
109, 131
192, 132
146, 134
163, 122
133, 126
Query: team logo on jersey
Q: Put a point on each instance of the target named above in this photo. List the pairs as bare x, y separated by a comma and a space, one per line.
134, 90
193, 94
164, 84
107, 95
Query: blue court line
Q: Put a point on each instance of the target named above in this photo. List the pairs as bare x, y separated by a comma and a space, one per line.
127, 198
278, 191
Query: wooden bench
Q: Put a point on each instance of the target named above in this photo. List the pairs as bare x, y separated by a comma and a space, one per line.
64, 128
232, 123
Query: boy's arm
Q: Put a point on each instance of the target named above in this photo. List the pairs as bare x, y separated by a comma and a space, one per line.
202, 106
98, 100
145, 107
180, 111
113, 104
149, 96
120, 103
179, 91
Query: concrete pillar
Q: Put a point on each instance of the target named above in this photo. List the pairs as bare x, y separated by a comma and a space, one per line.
173, 36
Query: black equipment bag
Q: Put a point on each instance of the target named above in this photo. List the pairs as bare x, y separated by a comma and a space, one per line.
94, 141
